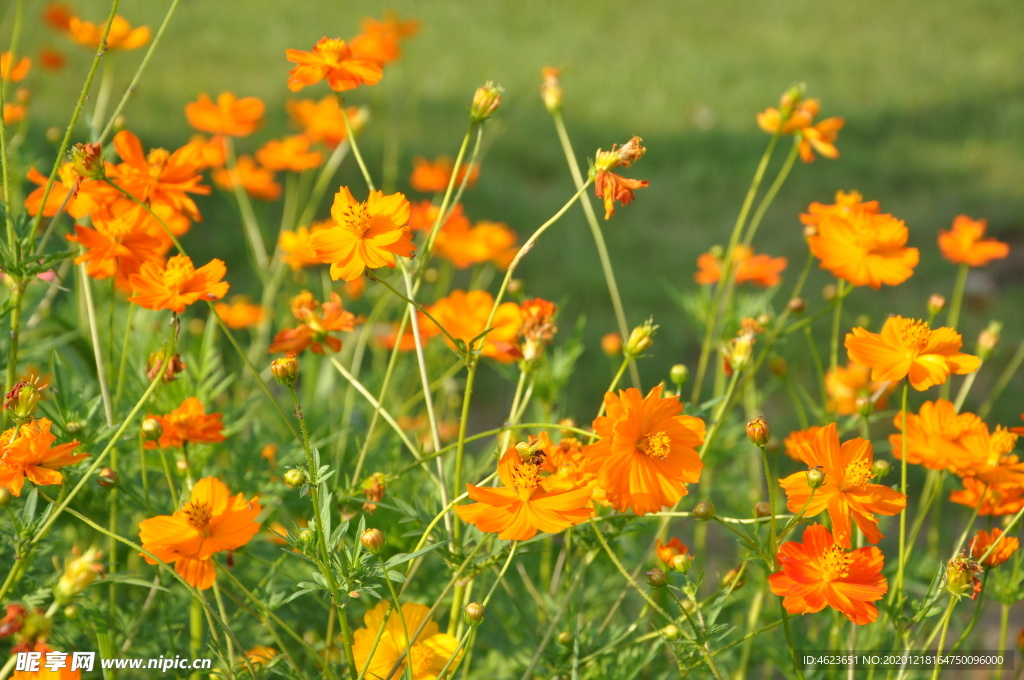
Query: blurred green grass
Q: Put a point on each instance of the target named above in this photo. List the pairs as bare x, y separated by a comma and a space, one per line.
931, 93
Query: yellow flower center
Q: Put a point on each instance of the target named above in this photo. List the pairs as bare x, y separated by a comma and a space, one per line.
914, 336
157, 159
333, 52
656, 445
357, 218
857, 474
179, 270
1002, 442
198, 514
865, 232
118, 228
835, 564
422, 659
6, 438
526, 478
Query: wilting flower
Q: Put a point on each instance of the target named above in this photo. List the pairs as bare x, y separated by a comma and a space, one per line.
819, 573
331, 60
289, 153
240, 313
464, 315
865, 249
1004, 549
188, 423
907, 347
315, 327
646, 453
820, 137
121, 36
612, 187
551, 89
847, 491
177, 284
434, 176
210, 522
13, 72
761, 270
962, 576
845, 385
159, 177
256, 180
538, 328
366, 235
935, 435
523, 505
963, 244
427, 655
227, 116
27, 452
795, 115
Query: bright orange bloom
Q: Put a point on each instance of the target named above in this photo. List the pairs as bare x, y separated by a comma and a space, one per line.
484, 242
963, 244
121, 37
433, 176
666, 552
11, 72
1004, 499
761, 270
820, 137
790, 117
13, 113
523, 505
257, 181
51, 59
865, 249
117, 246
846, 385
366, 235
213, 152
289, 153
86, 196
566, 465
935, 436
28, 455
910, 348
798, 439
314, 331
159, 176
646, 454
990, 457
424, 214
1003, 551
819, 573
210, 522
57, 15
380, 40
296, 245
427, 655
324, 120
464, 315
177, 284
228, 116
331, 60
847, 206
240, 313
847, 491
612, 188
188, 423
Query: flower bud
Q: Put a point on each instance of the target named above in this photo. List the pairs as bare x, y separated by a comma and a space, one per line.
515, 286
611, 344
880, 468
5, 497
733, 579
551, 89
671, 632
762, 509
306, 535
797, 305
640, 340
486, 101
87, 160
936, 303
656, 577
22, 399
704, 510
152, 430
475, 613
682, 563
106, 478
373, 541
295, 477
864, 406
54, 134
829, 292
779, 367
757, 431
962, 576
565, 638
73, 426
988, 339
285, 369
815, 478
678, 374
79, 572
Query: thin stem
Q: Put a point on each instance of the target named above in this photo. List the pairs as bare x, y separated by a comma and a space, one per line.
629, 578
1004, 379
953, 318
942, 637
355, 147
249, 221
97, 349
898, 590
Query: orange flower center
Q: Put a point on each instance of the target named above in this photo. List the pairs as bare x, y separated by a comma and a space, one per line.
857, 474
334, 52
358, 218
6, 437
526, 478
865, 232
1002, 442
118, 228
422, 659
656, 445
198, 514
914, 336
835, 564
157, 159
179, 270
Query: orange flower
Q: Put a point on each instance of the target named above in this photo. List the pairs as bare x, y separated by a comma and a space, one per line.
668, 551
434, 176
51, 671
289, 153
464, 316
846, 385
424, 214
366, 235
257, 181
762, 270
910, 348
51, 59
793, 115
11, 72
240, 313
213, 152
177, 284
794, 443
117, 246
314, 331
990, 457
484, 242
612, 188
324, 120
820, 137
57, 15
121, 36
847, 206
380, 40
847, 491
159, 176
963, 244
85, 196
646, 453
865, 249
210, 522
331, 60
566, 465
188, 423
1003, 550
296, 245
935, 436
1005, 499
26, 453
819, 573
385, 645
523, 506
229, 116
13, 113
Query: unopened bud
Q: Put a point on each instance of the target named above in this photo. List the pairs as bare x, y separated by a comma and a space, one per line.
87, 161
936, 303
486, 101
829, 292
5, 497
295, 477
54, 134
565, 638
962, 576
757, 431
733, 579
762, 509
611, 344
880, 468
373, 541
22, 400
704, 510
285, 369
656, 577
864, 406
810, 230
678, 374
989, 338
79, 572
73, 426
815, 478
152, 429
779, 367
671, 632
515, 286
551, 89
682, 563
640, 340
171, 367
797, 305
475, 613
305, 535
106, 478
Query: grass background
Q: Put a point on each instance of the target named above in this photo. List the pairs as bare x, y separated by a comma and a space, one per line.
931, 93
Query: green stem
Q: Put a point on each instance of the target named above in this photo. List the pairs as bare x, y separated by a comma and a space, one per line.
249, 222
1008, 374
625, 574
97, 348
901, 565
409, 641
942, 637
352, 144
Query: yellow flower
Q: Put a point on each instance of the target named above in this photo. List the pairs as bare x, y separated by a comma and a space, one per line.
427, 655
